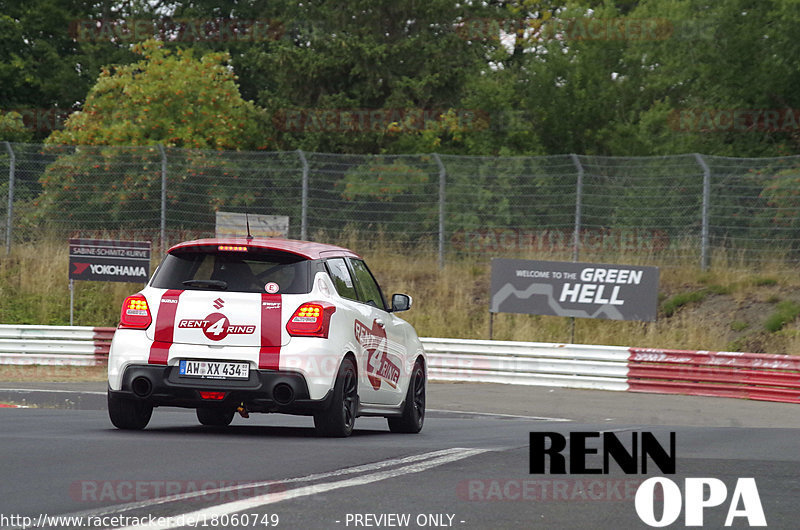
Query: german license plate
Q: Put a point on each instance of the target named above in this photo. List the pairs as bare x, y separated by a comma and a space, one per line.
214, 369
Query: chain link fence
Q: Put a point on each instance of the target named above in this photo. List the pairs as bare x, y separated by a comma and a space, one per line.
665, 210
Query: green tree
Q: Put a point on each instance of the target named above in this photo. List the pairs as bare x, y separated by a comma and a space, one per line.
398, 193
720, 56
44, 66
168, 98
569, 80
361, 56
12, 128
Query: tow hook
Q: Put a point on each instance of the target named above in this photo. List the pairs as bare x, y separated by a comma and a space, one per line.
242, 411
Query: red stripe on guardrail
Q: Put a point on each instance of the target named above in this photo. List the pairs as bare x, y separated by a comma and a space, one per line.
102, 343
758, 376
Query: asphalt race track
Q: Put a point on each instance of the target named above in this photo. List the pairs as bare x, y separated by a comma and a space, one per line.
469, 468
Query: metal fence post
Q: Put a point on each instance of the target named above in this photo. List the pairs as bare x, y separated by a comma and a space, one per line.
442, 194
10, 213
705, 257
576, 237
304, 197
163, 197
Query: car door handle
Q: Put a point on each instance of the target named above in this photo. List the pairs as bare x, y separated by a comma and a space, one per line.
380, 322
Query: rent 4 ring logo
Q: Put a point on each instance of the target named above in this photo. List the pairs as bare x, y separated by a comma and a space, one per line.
591, 453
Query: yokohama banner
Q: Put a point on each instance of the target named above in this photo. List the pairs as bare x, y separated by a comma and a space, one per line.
103, 260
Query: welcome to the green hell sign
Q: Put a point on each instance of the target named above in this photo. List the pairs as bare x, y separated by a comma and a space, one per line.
560, 240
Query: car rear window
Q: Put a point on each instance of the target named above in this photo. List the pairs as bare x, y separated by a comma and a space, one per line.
244, 272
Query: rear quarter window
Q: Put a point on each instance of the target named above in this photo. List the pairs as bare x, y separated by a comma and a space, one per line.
247, 272
340, 274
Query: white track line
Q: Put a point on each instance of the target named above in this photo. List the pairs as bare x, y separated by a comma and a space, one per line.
53, 390
272, 498
119, 508
472, 413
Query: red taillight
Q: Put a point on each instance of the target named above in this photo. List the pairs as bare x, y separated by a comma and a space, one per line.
135, 312
311, 320
216, 396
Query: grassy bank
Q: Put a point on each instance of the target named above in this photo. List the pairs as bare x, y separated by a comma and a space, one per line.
730, 308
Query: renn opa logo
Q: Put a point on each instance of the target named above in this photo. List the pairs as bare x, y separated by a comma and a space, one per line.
699, 493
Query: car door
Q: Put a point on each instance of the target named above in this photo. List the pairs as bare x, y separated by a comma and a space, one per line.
382, 337
366, 333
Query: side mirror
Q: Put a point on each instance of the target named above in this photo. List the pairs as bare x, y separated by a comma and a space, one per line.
400, 302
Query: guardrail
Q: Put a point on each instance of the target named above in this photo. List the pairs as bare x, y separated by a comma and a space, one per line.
54, 345
528, 363
721, 374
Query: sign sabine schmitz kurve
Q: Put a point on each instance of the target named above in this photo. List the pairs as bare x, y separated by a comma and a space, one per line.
103, 260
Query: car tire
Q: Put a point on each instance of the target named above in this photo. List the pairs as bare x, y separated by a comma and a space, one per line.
414, 408
338, 419
215, 417
128, 414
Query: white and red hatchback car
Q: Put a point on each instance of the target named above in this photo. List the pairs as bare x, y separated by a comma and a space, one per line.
266, 325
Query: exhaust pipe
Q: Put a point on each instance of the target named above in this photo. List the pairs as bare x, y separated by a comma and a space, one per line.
142, 386
283, 394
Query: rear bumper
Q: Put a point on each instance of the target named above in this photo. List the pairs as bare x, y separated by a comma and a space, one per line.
265, 390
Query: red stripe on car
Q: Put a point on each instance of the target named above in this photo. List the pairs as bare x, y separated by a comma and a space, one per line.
165, 326
269, 355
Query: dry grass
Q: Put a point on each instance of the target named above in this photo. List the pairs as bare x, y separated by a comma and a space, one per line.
34, 289
453, 301
58, 374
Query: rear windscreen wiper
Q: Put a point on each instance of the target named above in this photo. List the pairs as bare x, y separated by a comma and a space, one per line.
212, 284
